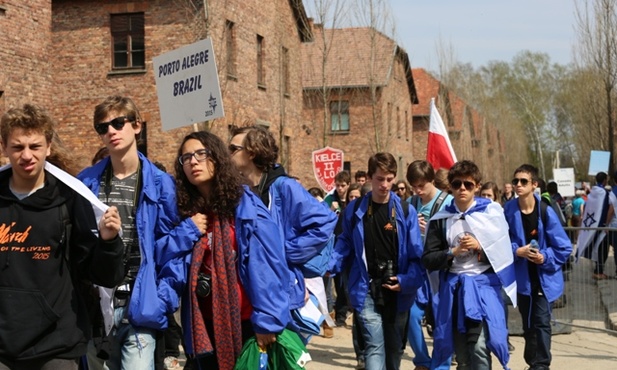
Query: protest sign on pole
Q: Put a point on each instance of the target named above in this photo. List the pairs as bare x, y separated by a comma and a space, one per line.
327, 162
564, 177
187, 85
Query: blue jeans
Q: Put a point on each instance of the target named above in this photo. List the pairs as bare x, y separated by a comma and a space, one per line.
384, 342
470, 355
536, 314
131, 348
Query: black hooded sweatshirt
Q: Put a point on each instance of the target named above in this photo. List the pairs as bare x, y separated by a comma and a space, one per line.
43, 313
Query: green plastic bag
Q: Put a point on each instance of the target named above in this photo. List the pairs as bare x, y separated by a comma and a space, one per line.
287, 353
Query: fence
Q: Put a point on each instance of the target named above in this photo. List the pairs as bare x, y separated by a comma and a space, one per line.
587, 302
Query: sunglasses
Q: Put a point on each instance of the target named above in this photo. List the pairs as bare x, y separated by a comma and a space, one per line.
456, 184
402, 189
117, 123
523, 182
234, 148
200, 155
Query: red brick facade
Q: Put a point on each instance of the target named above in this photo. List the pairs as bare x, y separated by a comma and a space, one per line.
380, 102
59, 54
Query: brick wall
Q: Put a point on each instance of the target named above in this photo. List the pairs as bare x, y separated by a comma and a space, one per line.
360, 142
83, 68
25, 76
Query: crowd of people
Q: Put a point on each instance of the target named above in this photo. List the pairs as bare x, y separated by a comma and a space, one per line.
228, 238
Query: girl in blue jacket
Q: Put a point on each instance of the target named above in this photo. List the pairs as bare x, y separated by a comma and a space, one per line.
238, 277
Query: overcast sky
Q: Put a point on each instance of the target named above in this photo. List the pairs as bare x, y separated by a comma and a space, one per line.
483, 30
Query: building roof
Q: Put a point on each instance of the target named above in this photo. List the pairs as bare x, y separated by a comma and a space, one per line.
302, 20
348, 59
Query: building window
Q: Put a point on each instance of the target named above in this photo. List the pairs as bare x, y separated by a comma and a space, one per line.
261, 73
230, 44
285, 70
127, 33
339, 113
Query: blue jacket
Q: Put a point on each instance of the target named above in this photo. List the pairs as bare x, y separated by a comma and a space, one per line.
164, 243
261, 267
555, 246
304, 224
349, 250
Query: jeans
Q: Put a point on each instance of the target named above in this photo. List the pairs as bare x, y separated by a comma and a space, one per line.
536, 315
470, 355
384, 342
131, 348
356, 337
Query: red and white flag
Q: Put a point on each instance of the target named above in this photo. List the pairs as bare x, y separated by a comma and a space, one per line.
439, 152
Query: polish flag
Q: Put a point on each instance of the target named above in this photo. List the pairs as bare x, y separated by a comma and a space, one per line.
439, 152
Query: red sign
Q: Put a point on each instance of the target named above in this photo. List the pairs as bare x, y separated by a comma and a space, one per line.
327, 162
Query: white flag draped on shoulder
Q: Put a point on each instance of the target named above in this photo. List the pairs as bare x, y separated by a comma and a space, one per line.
591, 218
439, 151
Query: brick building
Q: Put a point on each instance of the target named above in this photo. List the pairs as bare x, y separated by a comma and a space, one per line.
359, 97
68, 55
471, 136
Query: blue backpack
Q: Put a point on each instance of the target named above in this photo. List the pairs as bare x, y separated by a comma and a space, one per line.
318, 264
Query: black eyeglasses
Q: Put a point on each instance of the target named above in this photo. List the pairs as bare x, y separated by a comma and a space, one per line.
456, 184
234, 148
200, 155
523, 182
117, 123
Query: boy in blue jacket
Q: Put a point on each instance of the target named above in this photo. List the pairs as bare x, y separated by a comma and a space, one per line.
468, 244
538, 269
381, 244
155, 239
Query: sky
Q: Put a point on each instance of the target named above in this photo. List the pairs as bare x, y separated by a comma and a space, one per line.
479, 31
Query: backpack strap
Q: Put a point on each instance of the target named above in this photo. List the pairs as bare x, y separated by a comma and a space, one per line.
64, 245
438, 202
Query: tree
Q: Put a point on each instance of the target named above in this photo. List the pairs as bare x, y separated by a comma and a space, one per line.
597, 50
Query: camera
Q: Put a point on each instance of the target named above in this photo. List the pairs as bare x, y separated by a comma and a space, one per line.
204, 285
387, 271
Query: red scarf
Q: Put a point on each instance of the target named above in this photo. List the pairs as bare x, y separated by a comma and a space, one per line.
225, 299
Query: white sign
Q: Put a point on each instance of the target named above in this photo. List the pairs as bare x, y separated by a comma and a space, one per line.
564, 177
187, 85
598, 162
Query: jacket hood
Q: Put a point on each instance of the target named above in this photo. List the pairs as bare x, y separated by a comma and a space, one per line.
272, 174
49, 196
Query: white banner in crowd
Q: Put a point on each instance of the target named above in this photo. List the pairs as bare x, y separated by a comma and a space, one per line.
564, 177
187, 85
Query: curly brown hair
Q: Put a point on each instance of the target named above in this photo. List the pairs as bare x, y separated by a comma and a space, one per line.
259, 142
35, 119
226, 181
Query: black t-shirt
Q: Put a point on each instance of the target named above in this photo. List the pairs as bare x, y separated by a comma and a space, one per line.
530, 226
380, 238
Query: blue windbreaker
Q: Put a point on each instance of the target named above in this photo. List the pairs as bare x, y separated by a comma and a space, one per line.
349, 249
262, 270
304, 224
164, 243
555, 246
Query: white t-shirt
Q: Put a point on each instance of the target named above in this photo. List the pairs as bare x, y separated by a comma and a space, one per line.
466, 263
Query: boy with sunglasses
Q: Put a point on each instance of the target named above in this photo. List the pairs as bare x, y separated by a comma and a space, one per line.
467, 242
540, 246
155, 239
